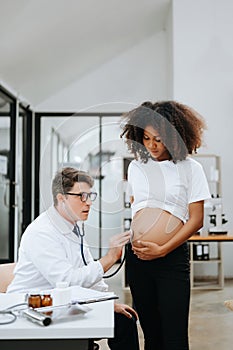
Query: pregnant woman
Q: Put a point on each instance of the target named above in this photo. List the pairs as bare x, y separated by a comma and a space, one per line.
168, 193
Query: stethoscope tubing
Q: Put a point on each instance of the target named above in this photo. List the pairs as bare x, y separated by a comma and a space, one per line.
82, 234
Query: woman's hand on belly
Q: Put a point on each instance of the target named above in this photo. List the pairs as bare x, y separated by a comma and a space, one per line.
146, 250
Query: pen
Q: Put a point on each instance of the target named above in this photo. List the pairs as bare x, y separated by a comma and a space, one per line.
89, 301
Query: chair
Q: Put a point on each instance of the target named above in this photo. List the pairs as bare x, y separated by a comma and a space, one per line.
6, 275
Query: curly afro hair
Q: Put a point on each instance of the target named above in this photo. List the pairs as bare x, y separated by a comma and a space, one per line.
179, 126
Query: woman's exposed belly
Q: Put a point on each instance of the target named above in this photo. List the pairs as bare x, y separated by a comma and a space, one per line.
154, 225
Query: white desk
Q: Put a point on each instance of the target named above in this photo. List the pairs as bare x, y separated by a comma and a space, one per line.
62, 334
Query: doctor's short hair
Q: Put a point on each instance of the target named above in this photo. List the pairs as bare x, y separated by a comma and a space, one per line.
65, 179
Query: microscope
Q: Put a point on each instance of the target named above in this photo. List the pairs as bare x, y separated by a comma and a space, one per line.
217, 218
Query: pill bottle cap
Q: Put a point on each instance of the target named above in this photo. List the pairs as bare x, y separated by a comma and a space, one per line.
62, 284
45, 292
34, 292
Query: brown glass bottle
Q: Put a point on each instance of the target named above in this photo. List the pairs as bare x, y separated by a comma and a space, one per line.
34, 300
46, 300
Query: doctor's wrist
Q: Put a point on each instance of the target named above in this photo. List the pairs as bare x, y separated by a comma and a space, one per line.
107, 261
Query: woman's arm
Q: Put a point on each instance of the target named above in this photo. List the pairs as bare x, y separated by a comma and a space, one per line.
149, 250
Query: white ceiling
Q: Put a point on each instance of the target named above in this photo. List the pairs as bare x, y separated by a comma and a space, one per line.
45, 45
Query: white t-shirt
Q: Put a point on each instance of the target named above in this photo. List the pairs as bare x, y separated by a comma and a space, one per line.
168, 186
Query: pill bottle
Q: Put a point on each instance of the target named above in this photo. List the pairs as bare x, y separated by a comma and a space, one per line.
34, 299
46, 300
62, 293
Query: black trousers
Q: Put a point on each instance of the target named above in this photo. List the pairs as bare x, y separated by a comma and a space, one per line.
125, 334
161, 294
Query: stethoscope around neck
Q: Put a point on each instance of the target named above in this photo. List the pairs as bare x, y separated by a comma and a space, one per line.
81, 234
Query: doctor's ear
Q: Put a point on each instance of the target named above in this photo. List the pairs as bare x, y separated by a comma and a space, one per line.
60, 198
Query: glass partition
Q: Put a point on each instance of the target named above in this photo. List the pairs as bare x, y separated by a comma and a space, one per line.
24, 169
113, 151
4, 186
70, 141
7, 184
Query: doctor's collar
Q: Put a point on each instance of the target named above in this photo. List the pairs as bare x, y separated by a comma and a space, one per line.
61, 224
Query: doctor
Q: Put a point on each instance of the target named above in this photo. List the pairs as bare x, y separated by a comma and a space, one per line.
50, 251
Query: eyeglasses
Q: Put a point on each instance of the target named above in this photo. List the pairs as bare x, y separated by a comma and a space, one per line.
84, 195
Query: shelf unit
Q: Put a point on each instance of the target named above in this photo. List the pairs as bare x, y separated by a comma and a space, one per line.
126, 217
126, 226
217, 259
212, 167
216, 283
211, 164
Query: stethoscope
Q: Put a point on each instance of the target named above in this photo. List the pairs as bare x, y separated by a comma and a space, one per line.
81, 234
77, 231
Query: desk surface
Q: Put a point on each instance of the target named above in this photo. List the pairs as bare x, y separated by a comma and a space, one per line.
211, 238
97, 323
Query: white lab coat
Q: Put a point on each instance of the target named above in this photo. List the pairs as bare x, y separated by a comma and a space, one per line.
49, 252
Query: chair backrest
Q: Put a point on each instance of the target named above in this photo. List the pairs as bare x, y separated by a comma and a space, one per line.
6, 275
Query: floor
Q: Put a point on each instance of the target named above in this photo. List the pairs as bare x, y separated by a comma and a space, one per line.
211, 323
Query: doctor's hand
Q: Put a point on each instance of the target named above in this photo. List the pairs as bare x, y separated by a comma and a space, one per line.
116, 245
125, 310
117, 242
147, 250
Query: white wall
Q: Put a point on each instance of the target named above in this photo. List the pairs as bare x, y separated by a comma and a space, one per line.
203, 76
169, 45
134, 76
